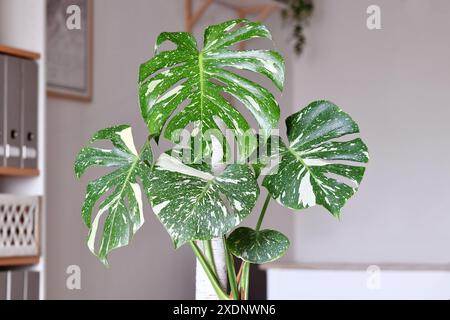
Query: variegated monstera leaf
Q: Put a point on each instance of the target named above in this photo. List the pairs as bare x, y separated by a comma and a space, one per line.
257, 246
317, 168
200, 77
194, 204
123, 200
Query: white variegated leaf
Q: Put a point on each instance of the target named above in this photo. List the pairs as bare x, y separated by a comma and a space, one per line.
201, 77
194, 204
317, 168
123, 203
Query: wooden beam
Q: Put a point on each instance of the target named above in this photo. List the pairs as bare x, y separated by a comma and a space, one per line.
266, 12
192, 18
227, 5
263, 11
187, 14
241, 15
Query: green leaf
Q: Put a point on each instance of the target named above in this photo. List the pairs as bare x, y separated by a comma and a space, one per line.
257, 246
123, 200
194, 204
316, 168
201, 77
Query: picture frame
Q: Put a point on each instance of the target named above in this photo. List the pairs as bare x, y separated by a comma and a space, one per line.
69, 50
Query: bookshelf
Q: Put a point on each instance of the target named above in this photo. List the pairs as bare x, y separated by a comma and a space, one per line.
22, 35
19, 52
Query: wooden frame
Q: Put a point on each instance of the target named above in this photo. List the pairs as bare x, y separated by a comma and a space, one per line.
262, 11
86, 97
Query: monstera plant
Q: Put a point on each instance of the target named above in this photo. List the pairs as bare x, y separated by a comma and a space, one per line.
194, 97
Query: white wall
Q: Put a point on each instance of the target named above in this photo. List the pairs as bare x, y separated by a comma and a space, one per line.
395, 82
21, 24
125, 32
124, 36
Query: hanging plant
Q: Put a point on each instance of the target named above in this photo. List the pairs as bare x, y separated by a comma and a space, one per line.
297, 13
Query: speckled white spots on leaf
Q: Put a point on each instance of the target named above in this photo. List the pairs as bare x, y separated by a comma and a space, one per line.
205, 208
306, 196
237, 204
138, 197
152, 85
257, 246
123, 205
157, 208
301, 178
168, 163
196, 69
170, 93
127, 137
315, 162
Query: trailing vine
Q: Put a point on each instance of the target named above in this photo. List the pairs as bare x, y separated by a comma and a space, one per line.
297, 13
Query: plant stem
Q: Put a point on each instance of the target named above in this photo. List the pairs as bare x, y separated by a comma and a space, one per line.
245, 281
263, 212
209, 272
207, 248
239, 275
231, 272
244, 272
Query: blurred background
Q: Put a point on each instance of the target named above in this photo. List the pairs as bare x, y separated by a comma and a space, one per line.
394, 81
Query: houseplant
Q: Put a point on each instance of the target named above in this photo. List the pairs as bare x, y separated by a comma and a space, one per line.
297, 13
198, 190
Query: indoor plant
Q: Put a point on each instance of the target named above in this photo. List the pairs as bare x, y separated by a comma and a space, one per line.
297, 12
198, 190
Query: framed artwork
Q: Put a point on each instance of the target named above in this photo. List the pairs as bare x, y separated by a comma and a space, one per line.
69, 49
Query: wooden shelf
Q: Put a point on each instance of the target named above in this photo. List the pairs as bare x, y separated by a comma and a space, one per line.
19, 53
19, 172
19, 261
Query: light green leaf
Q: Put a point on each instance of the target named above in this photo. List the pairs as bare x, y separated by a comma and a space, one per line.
194, 204
257, 246
123, 201
201, 76
316, 168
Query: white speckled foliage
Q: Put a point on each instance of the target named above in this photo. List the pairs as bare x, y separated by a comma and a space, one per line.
186, 88
123, 202
315, 168
201, 76
193, 204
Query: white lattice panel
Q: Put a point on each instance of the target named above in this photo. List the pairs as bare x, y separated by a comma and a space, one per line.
19, 217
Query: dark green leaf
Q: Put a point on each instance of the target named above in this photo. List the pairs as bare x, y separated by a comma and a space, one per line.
257, 246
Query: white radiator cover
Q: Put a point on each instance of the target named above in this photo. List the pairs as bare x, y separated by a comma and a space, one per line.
374, 283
